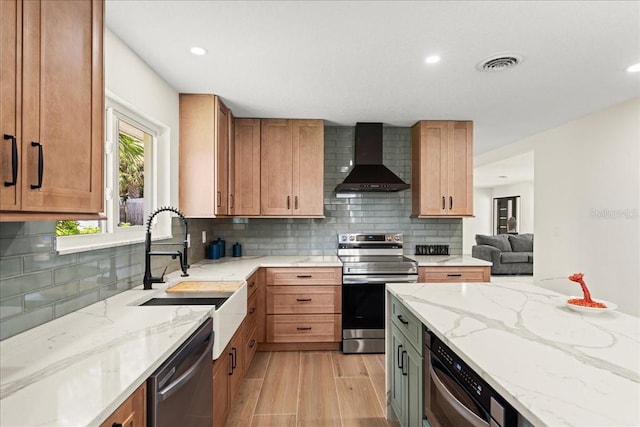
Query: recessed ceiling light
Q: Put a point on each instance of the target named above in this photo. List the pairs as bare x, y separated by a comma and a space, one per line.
198, 51
432, 59
635, 68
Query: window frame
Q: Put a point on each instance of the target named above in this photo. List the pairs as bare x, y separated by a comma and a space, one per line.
112, 235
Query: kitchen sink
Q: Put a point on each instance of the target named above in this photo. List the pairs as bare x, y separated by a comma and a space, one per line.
217, 302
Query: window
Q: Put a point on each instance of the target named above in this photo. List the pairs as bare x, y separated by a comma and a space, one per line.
130, 177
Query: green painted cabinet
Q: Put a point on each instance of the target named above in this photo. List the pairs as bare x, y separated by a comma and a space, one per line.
406, 379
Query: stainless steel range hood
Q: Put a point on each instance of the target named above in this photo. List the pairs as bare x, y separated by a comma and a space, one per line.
368, 173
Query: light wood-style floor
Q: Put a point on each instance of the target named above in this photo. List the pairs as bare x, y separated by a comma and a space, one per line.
314, 388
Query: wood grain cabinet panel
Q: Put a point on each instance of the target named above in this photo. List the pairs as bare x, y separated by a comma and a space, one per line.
53, 103
454, 274
303, 328
204, 156
442, 169
303, 307
301, 276
292, 168
304, 299
132, 412
245, 197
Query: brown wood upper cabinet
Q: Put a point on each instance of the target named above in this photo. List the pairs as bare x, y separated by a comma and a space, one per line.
51, 109
442, 169
244, 199
204, 156
292, 168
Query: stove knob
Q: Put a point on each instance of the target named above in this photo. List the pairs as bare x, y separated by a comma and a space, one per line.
397, 238
352, 238
343, 237
388, 237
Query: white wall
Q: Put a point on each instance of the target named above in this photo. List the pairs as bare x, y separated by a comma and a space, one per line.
481, 223
137, 86
526, 214
587, 192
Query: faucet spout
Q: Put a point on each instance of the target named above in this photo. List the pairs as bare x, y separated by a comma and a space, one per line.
148, 278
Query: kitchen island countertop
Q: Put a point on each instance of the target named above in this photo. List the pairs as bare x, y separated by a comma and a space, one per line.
556, 366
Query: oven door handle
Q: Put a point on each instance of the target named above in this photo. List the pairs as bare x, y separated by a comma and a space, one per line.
455, 404
357, 280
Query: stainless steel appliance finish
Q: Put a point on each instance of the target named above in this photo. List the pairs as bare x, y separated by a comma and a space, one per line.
179, 392
455, 396
368, 262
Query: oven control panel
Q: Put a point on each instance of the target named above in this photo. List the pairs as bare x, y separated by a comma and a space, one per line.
385, 238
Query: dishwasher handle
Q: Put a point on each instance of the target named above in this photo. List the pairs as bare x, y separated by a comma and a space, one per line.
187, 375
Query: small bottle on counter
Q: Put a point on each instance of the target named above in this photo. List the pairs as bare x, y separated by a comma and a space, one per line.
222, 245
214, 250
237, 250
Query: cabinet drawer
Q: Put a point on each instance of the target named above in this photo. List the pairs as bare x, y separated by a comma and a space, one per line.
304, 299
132, 412
252, 284
407, 323
303, 328
251, 345
301, 276
454, 274
252, 311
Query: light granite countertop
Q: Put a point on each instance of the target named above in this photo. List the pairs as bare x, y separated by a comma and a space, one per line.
81, 367
556, 366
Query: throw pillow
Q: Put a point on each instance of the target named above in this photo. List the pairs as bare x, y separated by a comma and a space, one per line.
500, 241
521, 243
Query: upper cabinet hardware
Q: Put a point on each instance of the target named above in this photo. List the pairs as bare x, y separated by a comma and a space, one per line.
40, 165
14, 161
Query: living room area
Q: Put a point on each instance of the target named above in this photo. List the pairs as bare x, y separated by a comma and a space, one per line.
578, 190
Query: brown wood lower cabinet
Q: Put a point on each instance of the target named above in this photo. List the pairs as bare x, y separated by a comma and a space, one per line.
228, 372
454, 274
303, 308
132, 412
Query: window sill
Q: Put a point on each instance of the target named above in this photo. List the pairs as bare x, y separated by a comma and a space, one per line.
75, 244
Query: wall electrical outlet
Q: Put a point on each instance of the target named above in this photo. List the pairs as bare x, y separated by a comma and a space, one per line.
204, 236
188, 240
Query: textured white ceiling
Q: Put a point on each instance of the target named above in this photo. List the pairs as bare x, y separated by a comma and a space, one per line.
350, 61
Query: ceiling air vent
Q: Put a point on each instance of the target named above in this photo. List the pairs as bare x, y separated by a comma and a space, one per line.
499, 62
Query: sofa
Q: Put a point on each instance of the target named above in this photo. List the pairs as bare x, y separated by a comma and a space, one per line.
509, 253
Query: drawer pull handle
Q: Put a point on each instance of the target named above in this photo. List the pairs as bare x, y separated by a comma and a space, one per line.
288, 202
399, 357
454, 275
40, 165
304, 276
303, 299
253, 310
219, 201
450, 202
305, 328
401, 319
116, 425
14, 161
442, 202
252, 284
252, 343
404, 353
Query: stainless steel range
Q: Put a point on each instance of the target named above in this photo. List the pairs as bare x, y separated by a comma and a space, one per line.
368, 262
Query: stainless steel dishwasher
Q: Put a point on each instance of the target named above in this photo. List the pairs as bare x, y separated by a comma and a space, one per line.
180, 391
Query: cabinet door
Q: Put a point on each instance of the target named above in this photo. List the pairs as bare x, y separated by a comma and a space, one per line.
63, 106
397, 389
413, 380
221, 375
429, 154
246, 195
460, 169
10, 145
221, 158
308, 167
276, 168
132, 412
197, 166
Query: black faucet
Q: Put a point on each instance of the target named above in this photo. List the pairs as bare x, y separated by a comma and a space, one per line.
148, 278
